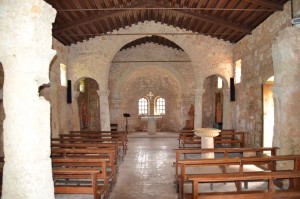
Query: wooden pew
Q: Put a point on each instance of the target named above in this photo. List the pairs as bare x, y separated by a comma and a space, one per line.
223, 152
270, 161
270, 177
89, 140
101, 154
88, 146
182, 134
75, 176
225, 138
122, 135
121, 140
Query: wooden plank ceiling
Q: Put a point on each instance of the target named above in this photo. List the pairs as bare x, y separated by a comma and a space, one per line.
230, 20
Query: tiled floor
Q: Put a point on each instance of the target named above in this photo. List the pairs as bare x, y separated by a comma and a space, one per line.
147, 171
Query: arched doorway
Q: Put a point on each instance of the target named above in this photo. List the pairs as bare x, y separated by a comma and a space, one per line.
268, 112
88, 104
212, 102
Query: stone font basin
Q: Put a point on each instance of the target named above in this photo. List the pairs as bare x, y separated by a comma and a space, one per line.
207, 132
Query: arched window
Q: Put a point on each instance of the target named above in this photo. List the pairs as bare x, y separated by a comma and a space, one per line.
63, 74
160, 106
143, 106
238, 71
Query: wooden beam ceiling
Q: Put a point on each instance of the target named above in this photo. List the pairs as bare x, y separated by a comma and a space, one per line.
230, 20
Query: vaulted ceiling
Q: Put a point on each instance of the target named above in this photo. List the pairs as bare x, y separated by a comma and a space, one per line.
230, 20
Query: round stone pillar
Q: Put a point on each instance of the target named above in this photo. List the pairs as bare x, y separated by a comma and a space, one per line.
75, 111
25, 52
207, 140
198, 108
227, 119
104, 110
286, 61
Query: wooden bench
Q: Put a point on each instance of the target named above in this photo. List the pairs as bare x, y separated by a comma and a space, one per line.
107, 136
71, 176
270, 177
225, 138
224, 164
181, 154
112, 146
121, 135
182, 134
101, 154
89, 140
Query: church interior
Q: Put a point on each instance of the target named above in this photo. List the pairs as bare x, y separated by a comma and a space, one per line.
147, 74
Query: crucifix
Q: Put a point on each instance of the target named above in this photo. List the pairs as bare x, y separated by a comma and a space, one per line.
150, 95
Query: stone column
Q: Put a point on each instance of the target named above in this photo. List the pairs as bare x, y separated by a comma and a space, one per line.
286, 60
227, 119
75, 111
198, 108
104, 110
116, 114
25, 52
296, 9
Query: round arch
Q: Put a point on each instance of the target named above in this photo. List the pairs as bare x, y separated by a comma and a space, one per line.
224, 80
128, 73
77, 83
131, 38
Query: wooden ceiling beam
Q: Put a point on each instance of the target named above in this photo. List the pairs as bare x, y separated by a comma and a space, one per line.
206, 18
268, 4
97, 18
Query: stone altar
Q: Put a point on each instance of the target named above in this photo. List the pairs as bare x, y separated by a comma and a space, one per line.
151, 123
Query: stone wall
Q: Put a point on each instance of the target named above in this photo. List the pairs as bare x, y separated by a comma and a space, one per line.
63, 117
286, 57
208, 101
93, 58
255, 51
88, 106
164, 71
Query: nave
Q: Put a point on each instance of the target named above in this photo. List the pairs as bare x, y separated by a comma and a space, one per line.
146, 171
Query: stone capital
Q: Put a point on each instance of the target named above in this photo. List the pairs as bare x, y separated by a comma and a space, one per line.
199, 92
116, 101
75, 94
278, 91
226, 91
103, 93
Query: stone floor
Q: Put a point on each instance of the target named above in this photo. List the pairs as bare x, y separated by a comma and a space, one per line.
147, 171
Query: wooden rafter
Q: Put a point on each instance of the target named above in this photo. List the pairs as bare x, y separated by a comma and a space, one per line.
98, 17
229, 20
207, 18
268, 4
